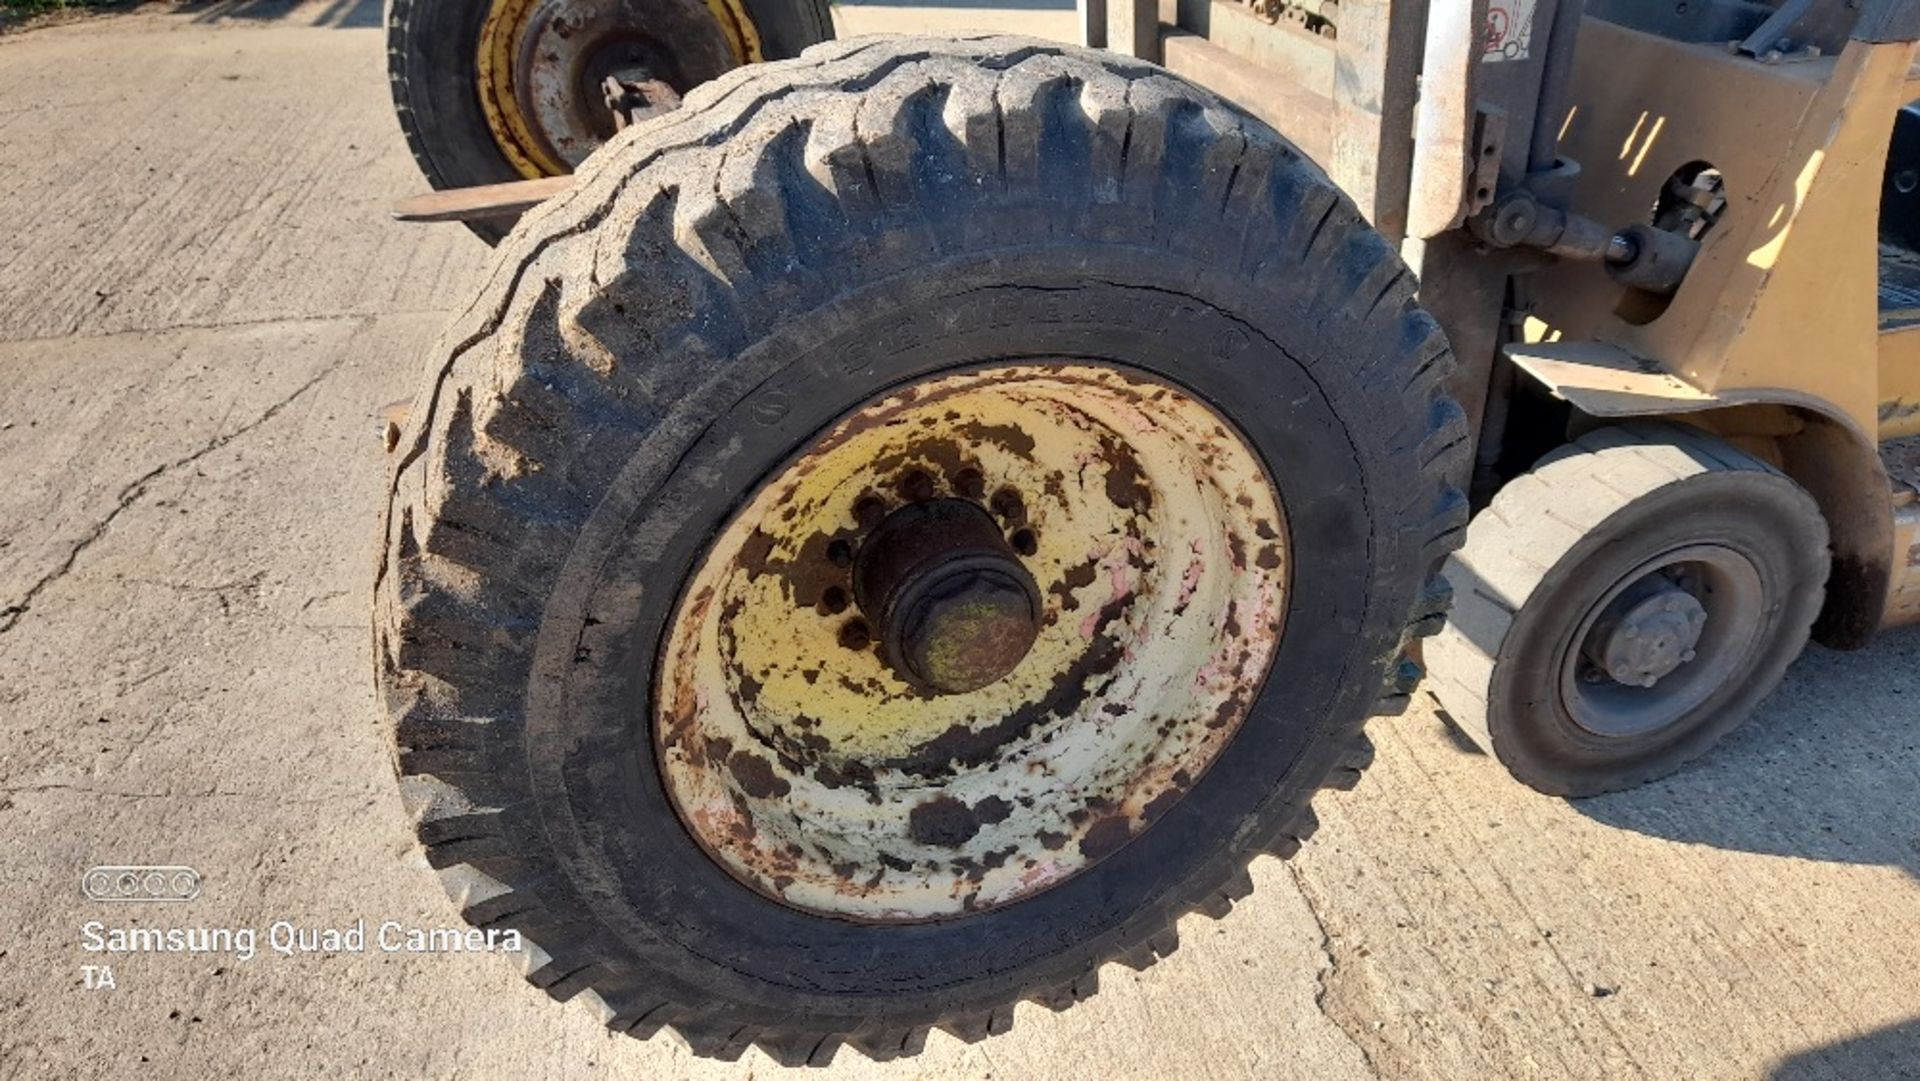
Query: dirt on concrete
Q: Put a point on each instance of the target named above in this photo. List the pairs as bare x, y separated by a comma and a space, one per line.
202, 308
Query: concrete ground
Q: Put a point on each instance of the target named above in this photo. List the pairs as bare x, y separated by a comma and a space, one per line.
202, 305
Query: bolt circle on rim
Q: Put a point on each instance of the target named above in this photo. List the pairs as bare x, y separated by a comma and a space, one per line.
543, 65
1661, 641
971, 640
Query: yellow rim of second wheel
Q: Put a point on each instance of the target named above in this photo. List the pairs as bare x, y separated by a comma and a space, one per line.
500, 38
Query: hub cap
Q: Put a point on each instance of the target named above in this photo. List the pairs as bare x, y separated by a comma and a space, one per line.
1648, 632
970, 641
1661, 641
956, 608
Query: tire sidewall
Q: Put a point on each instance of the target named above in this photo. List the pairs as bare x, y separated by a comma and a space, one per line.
786, 27
602, 809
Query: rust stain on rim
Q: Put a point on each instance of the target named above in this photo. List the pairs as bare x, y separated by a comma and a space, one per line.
813, 772
511, 75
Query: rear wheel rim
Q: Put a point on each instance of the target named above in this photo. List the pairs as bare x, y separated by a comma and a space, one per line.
1730, 597
542, 64
813, 762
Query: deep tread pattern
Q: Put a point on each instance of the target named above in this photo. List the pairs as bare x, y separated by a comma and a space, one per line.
715, 1037
695, 227
890, 1045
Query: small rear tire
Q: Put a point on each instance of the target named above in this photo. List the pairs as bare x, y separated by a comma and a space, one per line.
1626, 604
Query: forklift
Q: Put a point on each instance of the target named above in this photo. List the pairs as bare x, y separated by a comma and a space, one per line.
903, 525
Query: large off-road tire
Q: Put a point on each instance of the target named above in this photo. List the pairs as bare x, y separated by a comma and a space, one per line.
460, 139
999, 254
1647, 551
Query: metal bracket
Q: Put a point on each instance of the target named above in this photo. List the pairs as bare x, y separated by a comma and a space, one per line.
1605, 380
1489, 147
1768, 39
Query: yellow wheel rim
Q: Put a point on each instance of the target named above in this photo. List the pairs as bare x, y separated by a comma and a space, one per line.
502, 74
809, 763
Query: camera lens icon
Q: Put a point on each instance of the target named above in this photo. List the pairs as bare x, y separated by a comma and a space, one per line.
140, 884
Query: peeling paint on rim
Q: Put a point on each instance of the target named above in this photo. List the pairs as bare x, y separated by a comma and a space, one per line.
811, 772
533, 56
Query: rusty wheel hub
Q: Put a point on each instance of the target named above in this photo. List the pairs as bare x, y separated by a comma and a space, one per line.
559, 77
970, 641
955, 608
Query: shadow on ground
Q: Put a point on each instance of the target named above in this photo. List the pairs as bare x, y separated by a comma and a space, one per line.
1891, 1052
338, 14
1825, 770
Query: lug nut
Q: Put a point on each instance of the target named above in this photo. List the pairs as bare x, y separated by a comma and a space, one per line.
1008, 505
854, 634
970, 482
917, 486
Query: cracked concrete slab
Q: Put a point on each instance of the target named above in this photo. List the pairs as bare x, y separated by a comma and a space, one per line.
201, 313
131, 411
1721, 923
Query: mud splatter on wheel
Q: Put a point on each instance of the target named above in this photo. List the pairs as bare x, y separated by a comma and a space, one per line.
489, 91
909, 527
867, 707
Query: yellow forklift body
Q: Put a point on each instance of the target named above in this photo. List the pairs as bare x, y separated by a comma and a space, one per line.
1775, 339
